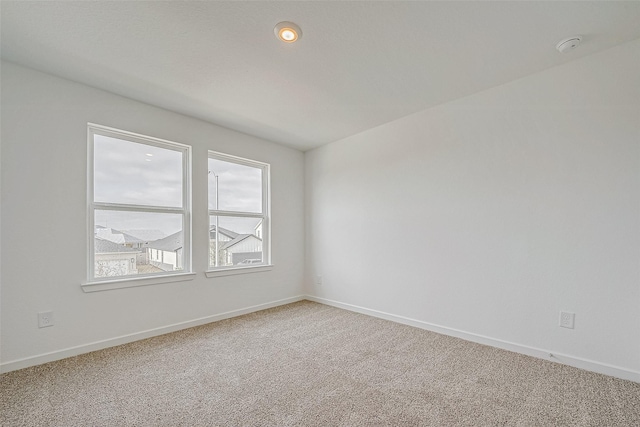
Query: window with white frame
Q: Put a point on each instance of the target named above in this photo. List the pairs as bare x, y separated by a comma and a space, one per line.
139, 206
238, 212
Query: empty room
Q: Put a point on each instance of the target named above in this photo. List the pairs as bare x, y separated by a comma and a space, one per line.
320, 213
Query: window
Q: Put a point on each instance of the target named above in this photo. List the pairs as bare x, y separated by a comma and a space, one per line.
139, 206
238, 212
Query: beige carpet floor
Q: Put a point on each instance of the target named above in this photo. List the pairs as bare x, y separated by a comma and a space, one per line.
307, 364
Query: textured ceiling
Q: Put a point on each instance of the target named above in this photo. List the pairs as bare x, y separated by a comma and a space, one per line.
358, 64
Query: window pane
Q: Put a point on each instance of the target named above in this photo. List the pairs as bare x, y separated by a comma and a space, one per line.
131, 243
133, 173
239, 241
239, 187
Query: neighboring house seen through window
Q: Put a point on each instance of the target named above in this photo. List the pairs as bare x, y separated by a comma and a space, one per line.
238, 212
139, 205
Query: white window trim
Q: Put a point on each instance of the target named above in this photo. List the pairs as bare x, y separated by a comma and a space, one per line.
232, 271
118, 282
265, 215
135, 281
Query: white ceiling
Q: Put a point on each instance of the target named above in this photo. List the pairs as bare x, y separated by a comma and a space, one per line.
358, 64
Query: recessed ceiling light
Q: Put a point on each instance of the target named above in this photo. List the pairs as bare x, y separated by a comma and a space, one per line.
568, 44
149, 154
288, 32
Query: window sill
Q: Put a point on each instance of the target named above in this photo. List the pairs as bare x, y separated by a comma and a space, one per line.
237, 270
134, 282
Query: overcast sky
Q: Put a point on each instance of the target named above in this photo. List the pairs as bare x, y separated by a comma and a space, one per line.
240, 187
131, 173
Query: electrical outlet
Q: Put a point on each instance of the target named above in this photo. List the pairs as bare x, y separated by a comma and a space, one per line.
318, 280
45, 319
567, 320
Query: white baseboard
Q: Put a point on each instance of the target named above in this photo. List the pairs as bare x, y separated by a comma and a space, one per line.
578, 362
99, 345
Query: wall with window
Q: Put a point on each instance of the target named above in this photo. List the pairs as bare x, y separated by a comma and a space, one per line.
44, 210
497, 210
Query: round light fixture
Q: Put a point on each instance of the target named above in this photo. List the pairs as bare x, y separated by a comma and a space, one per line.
568, 44
288, 32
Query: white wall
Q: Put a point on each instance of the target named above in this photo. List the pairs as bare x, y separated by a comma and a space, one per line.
1, 66
44, 156
488, 215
